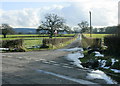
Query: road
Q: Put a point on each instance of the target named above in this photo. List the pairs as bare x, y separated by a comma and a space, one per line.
43, 67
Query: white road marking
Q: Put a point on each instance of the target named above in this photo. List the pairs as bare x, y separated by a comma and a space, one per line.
56, 64
46, 62
53, 61
37, 60
80, 81
42, 59
67, 66
9, 56
19, 57
3, 55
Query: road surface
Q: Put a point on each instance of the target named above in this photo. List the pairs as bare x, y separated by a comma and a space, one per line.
43, 67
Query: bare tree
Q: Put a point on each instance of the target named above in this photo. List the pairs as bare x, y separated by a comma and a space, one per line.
6, 29
76, 29
52, 22
41, 27
84, 26
67, 28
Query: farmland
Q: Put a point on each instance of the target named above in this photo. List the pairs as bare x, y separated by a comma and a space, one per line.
31, 40
97, 35
23, 36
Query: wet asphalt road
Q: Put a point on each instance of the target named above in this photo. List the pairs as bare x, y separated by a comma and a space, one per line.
43, 67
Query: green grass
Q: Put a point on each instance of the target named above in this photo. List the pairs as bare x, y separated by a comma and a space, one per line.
30, 43
97, 35
61, 45
27, 38
21, 35
34, 41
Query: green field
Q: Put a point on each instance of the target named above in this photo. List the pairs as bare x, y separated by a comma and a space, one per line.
23, 35
20, 35
97, 35
34, 41
30, 43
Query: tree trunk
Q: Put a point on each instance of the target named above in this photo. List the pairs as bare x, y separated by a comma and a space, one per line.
4, 35
51, 32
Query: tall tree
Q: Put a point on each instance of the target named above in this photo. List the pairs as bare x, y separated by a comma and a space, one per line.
76, 29
67, 28
41, 27
52, 22
6, 29
84, 26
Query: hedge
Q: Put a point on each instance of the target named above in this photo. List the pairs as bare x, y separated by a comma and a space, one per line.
55, 41
113, 44
91, 42
11, 43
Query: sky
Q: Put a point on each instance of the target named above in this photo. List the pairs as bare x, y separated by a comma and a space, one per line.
21, 13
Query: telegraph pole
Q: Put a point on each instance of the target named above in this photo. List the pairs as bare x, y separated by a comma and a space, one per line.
90, 25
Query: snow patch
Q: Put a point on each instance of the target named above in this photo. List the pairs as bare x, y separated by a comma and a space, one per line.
102, 63
115, 70
4, 49
113, 61
75, 58
106, 67
73, 49
97, 54
97, 74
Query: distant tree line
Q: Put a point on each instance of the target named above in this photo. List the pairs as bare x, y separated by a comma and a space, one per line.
54, 23
105, 30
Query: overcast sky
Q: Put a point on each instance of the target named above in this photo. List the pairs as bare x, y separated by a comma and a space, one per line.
31, 13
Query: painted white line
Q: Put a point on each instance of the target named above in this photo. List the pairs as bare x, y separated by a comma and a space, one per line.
19, 57
64, 64
3, 55
9, 56
80, 81
53, 61
45, 62
67, 67
56, 64
42, 59
37, 60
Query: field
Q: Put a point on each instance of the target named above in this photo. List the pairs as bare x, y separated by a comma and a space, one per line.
97, 35
32, 35
31, 40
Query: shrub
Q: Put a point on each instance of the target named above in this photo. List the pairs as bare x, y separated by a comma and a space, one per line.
113, 44
91, 42
56, 41
116, 66
14, 45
